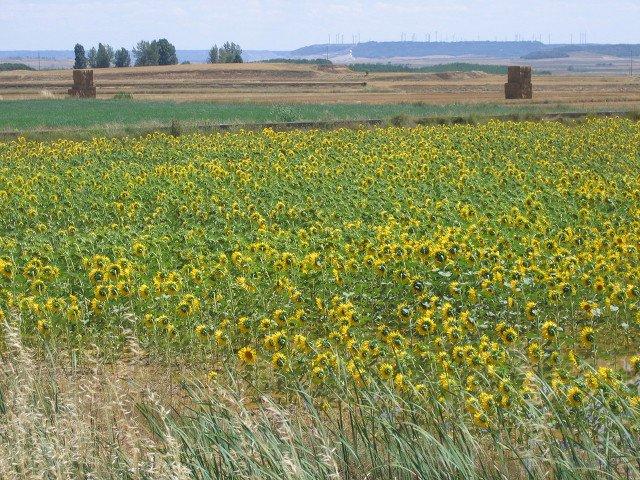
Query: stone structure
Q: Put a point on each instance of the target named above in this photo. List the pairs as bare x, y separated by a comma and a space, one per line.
83, 84
518, 84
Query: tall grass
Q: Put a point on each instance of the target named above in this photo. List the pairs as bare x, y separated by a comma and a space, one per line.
101, 420
377, 433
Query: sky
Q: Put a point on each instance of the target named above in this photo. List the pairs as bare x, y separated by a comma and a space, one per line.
286, 25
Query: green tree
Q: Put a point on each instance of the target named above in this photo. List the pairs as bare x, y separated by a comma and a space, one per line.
122, 58
91, 58
81, 58
102, 56
146, 54
230, 53
214, 55
166, 52
110, 53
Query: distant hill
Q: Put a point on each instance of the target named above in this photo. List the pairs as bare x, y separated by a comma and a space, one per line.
563, 51
378, 50
259, 55
34, 54
193, 56
320, 50
424, 49
440, 68
507, 50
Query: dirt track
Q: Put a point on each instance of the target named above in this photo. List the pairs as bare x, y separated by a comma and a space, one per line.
273, 83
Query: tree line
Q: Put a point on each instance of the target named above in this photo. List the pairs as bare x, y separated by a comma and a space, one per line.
145, 54
228, 53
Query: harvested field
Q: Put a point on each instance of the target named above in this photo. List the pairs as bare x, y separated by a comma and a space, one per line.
277, 83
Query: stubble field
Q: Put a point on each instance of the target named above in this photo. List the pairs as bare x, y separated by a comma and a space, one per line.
277, 83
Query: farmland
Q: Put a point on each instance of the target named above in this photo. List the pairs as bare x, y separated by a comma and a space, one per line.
118, 117
433, 302
311, 84
135, 101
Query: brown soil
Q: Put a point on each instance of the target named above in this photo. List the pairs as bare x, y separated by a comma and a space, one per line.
277, 83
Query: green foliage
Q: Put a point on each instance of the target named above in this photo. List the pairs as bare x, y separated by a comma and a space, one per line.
146, 54
81, 59
157, 52
166, 52
92, 57
123, 96
214, 55
104, 55
122, 58
6, 67
230, 53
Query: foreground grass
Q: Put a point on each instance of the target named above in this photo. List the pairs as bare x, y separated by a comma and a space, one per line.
123, 420
26, 115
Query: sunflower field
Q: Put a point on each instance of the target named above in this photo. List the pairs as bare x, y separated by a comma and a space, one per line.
489, 271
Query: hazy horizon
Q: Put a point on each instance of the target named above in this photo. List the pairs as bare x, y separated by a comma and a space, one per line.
286, 25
